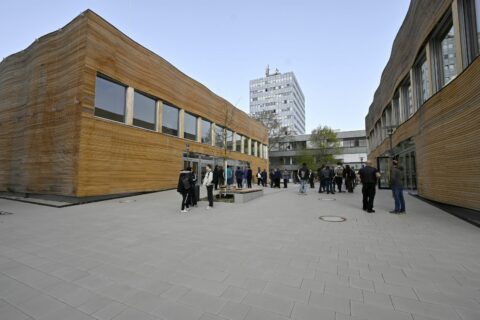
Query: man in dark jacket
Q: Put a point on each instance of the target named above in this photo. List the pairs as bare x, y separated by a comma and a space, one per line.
368, 176
185, 183
396, 183
264, 177
239, 177
249, 177
215, 177
277, 176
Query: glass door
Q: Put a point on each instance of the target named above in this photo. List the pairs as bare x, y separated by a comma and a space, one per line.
383, 165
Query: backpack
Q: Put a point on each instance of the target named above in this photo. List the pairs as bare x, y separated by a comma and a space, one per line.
185, 182
339, 171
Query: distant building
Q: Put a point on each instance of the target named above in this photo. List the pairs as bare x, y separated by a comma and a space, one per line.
280, 94
353, 150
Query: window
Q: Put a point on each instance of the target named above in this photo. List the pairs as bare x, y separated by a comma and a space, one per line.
190, 124
219, 136
444, 53
238, 143
109, 100
406, 99
422, 76
245, 146
206, 132
229, 138
170, 120
396, 109
144, 111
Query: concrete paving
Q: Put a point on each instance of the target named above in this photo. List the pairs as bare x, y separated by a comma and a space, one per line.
271, 258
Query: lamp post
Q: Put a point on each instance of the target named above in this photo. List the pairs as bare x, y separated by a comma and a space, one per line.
390, 134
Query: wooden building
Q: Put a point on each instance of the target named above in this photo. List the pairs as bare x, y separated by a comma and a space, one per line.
426, 110
86, 111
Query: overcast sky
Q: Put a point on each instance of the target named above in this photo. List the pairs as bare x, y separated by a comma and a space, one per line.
337, 49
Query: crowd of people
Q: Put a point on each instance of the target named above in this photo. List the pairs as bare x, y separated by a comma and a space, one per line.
331, 178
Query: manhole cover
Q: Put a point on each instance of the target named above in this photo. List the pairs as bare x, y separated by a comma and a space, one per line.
4, 213
127, 201
327, 199
332, 219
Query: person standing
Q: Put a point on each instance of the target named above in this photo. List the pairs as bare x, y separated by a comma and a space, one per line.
327, 179
221, 176
311, 179
368, 176
396, 183
215, 176
264, 177
286, 177
192, 196
271, 176
339, 176
303, 178
278, 176
239, 177
249, 177
244, 181
259, 178
320, 177
349, 178
207, 182
183, 187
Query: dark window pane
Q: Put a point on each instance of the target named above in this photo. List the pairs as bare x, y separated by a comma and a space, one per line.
219, 136
449, 54
229, 140
238, 143
170, 120
206, 132
245, 145
144, 111
109, 100
190, 123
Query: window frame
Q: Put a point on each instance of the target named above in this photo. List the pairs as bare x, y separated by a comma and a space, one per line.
154, 125
118, 83
168, 104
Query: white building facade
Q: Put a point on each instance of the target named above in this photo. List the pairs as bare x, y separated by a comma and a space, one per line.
280, 94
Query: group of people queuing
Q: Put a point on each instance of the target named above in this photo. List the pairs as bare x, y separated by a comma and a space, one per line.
330, 178
334, 177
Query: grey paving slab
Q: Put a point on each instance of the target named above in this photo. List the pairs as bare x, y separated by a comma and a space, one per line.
271, 258
10, 312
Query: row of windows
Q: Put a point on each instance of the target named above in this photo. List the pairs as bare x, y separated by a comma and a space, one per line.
111, 101
434, 68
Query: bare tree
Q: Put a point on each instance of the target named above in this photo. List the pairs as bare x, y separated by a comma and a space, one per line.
276, 131
223, 135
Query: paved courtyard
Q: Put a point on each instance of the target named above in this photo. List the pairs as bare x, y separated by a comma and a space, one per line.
138, 258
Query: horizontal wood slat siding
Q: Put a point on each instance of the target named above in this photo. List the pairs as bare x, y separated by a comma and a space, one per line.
116, 158
40, 88
446, 131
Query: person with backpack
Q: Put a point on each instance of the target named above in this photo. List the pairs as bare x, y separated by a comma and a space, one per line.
326, 176
183, 187
339, 176
207, 182
303, 178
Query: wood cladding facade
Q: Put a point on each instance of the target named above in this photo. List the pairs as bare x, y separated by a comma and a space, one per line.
51, 141
445, 129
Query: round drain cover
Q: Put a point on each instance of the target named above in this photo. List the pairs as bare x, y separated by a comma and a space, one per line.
332, 218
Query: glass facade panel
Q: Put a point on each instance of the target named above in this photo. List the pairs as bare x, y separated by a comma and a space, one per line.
424, 82
229, 140
219, 136
109, 100
144, 111
170, 120
206, 132
238, 143
190, 124
448, 57
477, 13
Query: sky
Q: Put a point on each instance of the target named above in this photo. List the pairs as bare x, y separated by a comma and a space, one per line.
337, 49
